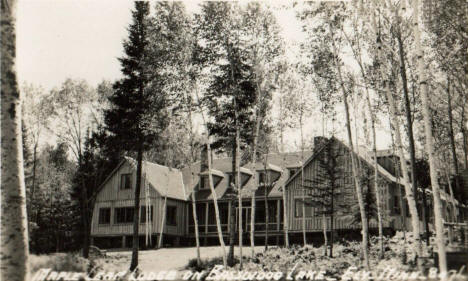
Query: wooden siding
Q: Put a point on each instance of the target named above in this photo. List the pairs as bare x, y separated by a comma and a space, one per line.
111, 196
345, 195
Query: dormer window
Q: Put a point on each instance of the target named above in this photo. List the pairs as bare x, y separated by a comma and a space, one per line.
292, 171
204, 183
126, 181
262, 179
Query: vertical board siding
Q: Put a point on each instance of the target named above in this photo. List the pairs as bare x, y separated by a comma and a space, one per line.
345, 196
111, 196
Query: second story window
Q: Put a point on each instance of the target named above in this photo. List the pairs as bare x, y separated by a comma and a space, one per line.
204, 182
126, 181
262, 179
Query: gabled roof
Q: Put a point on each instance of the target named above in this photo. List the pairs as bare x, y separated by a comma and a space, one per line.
166, 181
361, 153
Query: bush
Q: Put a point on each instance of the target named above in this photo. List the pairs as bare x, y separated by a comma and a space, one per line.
59, 262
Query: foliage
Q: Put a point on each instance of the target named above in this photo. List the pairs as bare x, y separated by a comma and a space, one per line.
54, 212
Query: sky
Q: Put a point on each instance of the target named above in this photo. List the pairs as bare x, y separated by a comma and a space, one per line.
83, 39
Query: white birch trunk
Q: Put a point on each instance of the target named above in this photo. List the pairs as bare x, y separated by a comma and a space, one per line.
439, 226
357, 182
399, 147
14, 224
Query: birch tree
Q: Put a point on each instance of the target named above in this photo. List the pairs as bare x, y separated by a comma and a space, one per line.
14, 230
429, 140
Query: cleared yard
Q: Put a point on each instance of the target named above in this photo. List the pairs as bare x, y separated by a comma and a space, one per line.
166, 258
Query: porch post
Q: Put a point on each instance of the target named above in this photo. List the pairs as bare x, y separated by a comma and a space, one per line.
206, 217
205, 240
229, 217
278, 215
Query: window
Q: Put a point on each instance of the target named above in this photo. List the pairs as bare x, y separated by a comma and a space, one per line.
124, 215
230, 180
126, 181
292, 171
202, 182
171, 215
396, 204
261, 178
104, 215
298, 208
143, 211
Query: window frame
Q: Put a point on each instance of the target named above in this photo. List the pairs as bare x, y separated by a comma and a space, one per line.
171, 219
101, 216
122, 186
128, 212
143, 213
296, 215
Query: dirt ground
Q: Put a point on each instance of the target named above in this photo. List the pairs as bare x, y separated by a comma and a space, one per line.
166, 258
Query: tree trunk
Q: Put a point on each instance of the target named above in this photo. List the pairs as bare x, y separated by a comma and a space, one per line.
33, 187
409, 119
14, 222
136, 209
376, 178
424, 214
163, 222
215, 202
197, 235
324, 230
232, 227
267, 212
239, 192
365, 231
85, 219
304, 237
404, 169
253, 202
453, 146
430, 143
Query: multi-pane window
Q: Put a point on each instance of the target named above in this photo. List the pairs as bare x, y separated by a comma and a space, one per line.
126, 181
104, 215
143, 212
124, 215
171, 215
298, 203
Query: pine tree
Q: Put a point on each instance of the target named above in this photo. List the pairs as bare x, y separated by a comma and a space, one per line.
137, 114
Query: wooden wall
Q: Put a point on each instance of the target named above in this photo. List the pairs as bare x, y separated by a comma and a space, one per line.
345, 196
111, 196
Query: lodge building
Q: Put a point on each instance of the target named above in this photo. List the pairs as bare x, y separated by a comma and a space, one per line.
166, 198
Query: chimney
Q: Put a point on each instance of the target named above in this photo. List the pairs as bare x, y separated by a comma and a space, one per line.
319, 142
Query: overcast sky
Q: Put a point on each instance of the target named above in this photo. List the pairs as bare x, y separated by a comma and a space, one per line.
83, 39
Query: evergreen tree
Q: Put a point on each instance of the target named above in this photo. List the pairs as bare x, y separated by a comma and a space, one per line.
130, 118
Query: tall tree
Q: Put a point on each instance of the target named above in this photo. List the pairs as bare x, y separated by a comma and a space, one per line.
37, 112
14, 230
72, 106
429, 140
231, 92
137, 115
